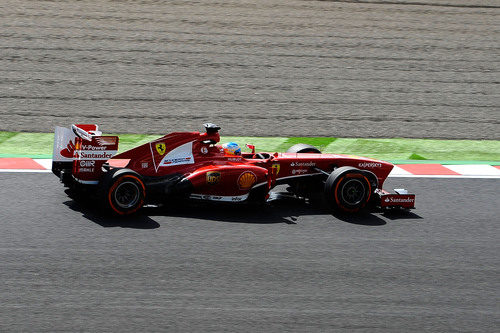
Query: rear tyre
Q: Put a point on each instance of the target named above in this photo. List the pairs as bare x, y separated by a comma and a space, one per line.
348, 190
303, 148
123, 191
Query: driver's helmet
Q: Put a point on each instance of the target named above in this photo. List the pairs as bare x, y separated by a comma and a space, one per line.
231, 148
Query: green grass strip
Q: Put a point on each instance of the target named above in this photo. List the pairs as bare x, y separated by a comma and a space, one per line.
39, 145
36, 145
6, 135
320, 143
419, 149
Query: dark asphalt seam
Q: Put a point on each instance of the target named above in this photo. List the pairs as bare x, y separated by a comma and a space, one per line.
191, 100
413, 3
232, 77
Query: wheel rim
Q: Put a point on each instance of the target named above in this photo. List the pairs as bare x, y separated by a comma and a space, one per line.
353, 192
127, 194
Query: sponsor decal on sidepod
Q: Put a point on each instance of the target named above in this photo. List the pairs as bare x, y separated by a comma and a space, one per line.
302, 164
178, 156
246, 180
370, 165
213, 177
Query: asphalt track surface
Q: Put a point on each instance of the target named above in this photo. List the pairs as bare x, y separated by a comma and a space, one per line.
418, 69
290, 267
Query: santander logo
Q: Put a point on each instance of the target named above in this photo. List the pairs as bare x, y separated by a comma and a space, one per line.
399, 200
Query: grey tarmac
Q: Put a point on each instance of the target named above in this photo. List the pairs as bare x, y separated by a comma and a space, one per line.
290, 267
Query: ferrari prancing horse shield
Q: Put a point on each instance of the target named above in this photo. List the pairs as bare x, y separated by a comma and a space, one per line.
161, 148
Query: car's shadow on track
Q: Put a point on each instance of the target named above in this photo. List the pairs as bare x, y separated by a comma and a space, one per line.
281, 212
367, 219
401, 215
374, 219
234, 213
285, 211
96, 215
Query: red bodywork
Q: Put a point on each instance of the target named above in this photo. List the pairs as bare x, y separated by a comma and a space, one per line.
208, 158
195, 157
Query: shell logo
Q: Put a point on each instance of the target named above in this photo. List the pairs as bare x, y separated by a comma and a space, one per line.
246, 180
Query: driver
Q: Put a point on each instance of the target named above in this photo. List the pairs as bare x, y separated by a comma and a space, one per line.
231, 148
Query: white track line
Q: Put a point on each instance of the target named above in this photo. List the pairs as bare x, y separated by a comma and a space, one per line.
474, 170
25, 170
444, 176
44, 162
397, 171
469, 171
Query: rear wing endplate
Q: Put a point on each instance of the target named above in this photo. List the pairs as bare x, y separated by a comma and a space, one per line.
82, 150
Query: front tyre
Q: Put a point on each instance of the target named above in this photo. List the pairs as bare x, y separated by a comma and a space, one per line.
124, 192
347, 190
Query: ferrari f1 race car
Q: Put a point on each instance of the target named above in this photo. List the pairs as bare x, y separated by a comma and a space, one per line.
192, 165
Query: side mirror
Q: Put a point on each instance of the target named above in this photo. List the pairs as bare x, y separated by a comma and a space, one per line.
252, 147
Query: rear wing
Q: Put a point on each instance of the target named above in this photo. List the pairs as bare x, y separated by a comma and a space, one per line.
81, 151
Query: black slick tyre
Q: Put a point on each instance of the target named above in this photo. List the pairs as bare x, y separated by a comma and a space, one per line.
348, 190
303, 148
123, 191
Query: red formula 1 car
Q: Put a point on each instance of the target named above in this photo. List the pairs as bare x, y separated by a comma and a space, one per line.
191, 165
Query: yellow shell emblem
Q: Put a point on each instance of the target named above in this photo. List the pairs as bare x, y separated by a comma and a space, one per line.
161, 148
246, 180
